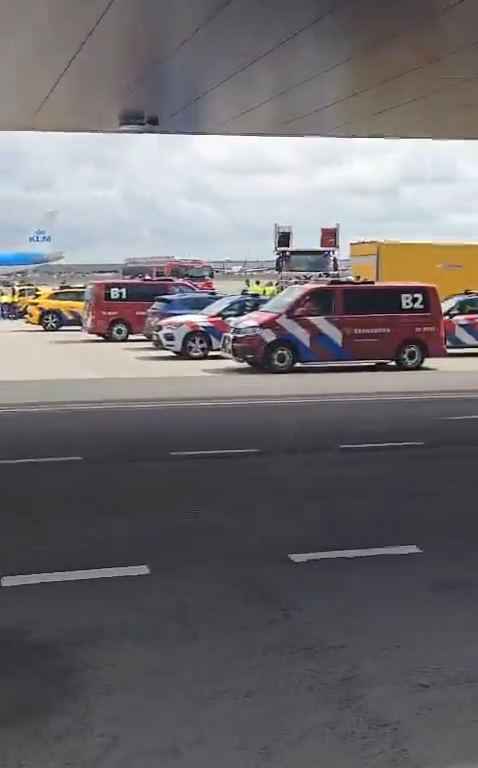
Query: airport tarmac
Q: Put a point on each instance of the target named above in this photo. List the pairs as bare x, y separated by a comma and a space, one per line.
30, 354
72, 366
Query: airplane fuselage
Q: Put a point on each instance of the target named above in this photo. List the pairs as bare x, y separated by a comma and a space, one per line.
28, 258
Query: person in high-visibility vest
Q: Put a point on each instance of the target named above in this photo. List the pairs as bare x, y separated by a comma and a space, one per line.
9, 306
270, 290
256, 288
4, 302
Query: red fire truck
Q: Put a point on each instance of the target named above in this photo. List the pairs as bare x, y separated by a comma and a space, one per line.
196, 271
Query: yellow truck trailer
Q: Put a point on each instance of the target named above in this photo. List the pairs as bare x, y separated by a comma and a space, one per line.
452, 267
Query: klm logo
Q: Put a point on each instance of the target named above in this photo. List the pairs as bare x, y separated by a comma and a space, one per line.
40, 236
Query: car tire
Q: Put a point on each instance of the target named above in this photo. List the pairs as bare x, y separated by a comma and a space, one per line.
196, 346
118, 332
279, 358
410, 356
51, 321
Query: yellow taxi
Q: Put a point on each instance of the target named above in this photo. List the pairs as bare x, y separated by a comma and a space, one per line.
60, 308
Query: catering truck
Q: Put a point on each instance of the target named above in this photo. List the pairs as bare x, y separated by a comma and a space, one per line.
452, 267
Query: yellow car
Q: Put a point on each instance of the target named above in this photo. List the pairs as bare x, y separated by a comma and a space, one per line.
62, 307
23, 295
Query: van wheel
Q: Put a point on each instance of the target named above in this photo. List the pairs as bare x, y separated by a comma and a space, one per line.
410, 356
279, 358
118, 331
196, 346
51, 321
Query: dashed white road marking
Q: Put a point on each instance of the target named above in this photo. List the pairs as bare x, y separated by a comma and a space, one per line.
405, 444
225, 452
91, 573
42, 460
351, 553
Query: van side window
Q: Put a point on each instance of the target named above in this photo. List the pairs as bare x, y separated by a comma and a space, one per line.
135, 292
318, 303
386, 301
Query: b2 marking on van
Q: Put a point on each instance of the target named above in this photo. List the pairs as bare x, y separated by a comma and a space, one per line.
425, 329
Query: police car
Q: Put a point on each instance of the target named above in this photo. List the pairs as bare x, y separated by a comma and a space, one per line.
460, 315
195, 336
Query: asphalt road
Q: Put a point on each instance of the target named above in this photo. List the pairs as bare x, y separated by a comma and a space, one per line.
228, 653
161, 432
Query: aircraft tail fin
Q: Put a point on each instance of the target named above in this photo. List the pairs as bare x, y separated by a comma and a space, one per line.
43, 236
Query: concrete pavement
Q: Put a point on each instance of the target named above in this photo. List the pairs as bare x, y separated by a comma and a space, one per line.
70, 366
228, 654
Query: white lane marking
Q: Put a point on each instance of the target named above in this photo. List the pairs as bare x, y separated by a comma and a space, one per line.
351, 553
238, 403
42, 460
406, 444
227, 452
91, 573
458, 418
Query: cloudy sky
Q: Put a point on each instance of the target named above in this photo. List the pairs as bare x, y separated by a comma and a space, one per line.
219, 197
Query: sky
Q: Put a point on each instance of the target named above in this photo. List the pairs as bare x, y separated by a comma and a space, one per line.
219, 197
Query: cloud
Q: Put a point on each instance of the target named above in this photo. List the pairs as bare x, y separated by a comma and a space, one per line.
219, 197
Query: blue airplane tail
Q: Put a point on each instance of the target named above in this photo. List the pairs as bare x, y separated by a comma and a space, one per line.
36, 252
42, 236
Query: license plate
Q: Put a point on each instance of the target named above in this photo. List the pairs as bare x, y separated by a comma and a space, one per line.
227, 345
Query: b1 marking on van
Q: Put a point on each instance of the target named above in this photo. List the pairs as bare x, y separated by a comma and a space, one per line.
371, 330
450, 266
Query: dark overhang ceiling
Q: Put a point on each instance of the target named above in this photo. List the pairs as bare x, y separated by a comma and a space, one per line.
282, 67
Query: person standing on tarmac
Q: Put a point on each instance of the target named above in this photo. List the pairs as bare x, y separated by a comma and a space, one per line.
269, 290
247, 287
256, 289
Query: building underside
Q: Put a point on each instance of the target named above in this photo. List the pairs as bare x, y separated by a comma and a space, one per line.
274, 67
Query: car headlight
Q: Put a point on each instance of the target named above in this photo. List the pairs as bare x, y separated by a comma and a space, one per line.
250, 330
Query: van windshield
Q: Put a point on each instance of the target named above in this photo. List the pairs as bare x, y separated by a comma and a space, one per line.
89, 291
283, 301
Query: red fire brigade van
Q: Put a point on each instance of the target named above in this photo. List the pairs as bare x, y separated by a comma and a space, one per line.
341, 321
115, 309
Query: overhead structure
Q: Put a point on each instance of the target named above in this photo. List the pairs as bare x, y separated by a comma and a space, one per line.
403, 68
291, 261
